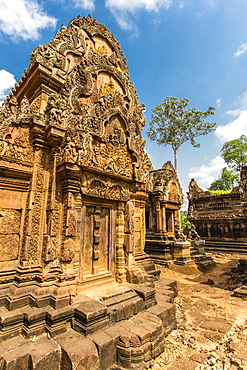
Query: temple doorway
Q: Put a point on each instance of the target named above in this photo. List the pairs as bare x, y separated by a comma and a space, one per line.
97, 254
170, 221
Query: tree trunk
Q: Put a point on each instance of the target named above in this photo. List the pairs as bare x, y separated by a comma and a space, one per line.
175, 160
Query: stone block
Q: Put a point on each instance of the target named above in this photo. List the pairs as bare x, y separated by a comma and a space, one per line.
57, 320
143, 333
40, 354
90, 316
34, 322
107, 349
21, 361
82, 352
147, 294
149, 321
168, 284
166, 312
11, 323
165, 297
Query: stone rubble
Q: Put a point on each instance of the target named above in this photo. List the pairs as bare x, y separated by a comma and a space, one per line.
211, 331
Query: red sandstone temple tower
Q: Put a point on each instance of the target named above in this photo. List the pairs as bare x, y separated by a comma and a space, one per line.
74, 164
73, 175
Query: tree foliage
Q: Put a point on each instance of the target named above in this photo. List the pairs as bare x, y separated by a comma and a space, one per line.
234, 153
185, 223
172, 123
226, 181
220, 192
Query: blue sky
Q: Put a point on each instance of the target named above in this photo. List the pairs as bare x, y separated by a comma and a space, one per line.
184, 48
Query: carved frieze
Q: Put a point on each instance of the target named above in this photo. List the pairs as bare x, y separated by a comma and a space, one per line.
104, 187
13, 114
15, 153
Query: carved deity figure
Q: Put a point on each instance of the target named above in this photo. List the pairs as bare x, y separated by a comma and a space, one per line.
179, 235
69, 151
193, 233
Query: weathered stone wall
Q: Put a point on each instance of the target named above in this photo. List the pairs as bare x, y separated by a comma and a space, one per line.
219, 219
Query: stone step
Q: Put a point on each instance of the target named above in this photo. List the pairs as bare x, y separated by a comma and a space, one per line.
92, 311
225, 246
130, 344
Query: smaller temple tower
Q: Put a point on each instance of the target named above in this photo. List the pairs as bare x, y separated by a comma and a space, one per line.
163, 213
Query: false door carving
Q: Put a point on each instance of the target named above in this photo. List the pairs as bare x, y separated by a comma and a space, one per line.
97, 251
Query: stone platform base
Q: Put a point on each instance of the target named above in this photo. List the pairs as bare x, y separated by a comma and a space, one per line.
188, 253
203, 262
123, 327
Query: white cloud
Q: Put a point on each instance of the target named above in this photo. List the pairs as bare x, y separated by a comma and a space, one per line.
207, 173
218, 102
85, 4
234, 129
7, 81
241, 50
132, 6
122, 9
23, 19
238, 126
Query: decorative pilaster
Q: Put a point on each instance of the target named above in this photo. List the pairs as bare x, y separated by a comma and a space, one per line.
158, 215
69, 173
34, 224
163, 217
120, 257
49, 248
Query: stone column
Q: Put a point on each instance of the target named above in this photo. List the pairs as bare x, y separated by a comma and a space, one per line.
34, 224
49, 249
158, 215
129, 228
69, 174
142, 225
120, 256
163, 217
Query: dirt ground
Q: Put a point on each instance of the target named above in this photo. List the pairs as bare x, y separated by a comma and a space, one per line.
211, 331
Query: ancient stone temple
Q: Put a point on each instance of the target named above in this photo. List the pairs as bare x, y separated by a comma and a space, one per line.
77, 288
165, 241
220, 219
164, 201
163, 214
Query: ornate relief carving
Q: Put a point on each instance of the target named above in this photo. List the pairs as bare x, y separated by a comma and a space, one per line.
56, 111
12, 114
68, 151
105, 187
14, 153
10, 220
68, 250
7, 253
35, 105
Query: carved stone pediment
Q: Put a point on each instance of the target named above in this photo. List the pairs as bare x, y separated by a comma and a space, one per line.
104, 187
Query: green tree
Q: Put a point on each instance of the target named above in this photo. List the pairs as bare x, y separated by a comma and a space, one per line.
172, 123
185, 223
234, 153
226, 181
